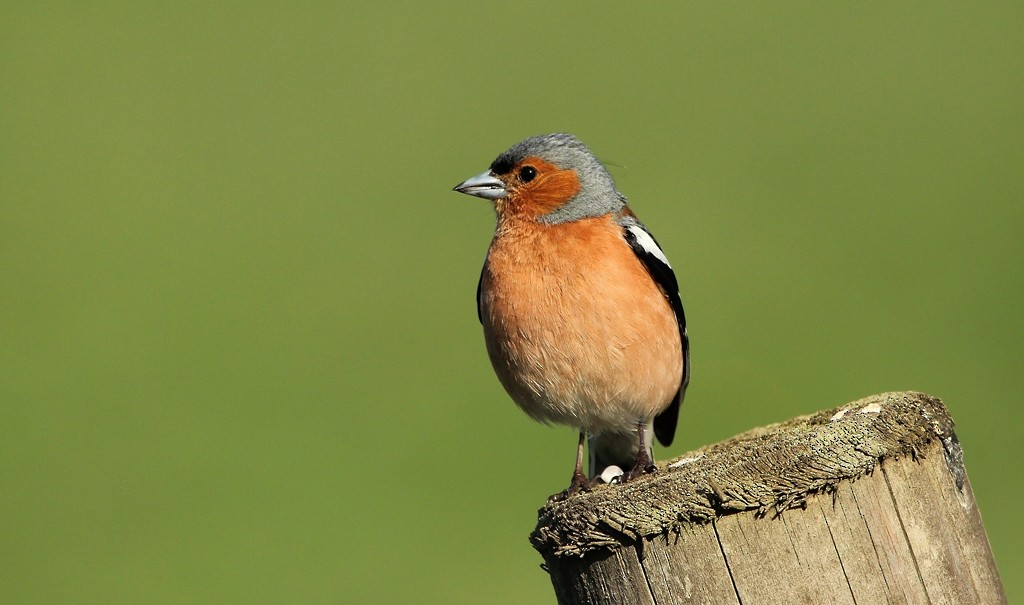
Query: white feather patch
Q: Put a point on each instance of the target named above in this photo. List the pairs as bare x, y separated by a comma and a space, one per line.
647, 242
611, 474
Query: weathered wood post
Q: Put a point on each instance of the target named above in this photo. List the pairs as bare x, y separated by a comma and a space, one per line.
866, 503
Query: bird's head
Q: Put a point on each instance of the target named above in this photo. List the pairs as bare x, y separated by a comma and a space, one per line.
551, 178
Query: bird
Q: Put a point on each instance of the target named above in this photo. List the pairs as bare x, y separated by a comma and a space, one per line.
580, 307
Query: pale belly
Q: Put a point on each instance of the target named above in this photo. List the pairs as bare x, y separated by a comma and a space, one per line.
579, 342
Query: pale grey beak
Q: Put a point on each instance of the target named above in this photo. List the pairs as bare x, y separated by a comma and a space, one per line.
484, 185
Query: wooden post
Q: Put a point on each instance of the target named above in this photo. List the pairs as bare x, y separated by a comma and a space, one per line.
866, 503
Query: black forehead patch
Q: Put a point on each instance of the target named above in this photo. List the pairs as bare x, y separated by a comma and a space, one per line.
559, 148
505, 163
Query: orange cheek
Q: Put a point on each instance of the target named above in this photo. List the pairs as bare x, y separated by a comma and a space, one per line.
549, 192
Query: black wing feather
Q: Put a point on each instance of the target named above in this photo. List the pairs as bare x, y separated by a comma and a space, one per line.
479, 290
665, 422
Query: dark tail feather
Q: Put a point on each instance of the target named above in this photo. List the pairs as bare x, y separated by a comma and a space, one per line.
665, 422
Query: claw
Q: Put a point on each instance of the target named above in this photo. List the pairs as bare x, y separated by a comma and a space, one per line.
578, 485
644, 465
639, 470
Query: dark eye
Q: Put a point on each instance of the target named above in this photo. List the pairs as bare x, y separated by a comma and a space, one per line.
527, 174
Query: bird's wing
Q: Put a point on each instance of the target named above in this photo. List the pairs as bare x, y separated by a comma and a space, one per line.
649, 252
479, 292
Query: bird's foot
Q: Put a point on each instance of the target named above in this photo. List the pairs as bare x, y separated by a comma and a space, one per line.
578, 485
644, 466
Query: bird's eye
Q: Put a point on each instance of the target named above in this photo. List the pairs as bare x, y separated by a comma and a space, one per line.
527, 174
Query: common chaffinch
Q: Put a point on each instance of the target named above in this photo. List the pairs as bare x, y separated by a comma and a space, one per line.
580, 307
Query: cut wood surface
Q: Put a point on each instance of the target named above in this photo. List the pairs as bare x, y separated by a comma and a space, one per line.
865, 503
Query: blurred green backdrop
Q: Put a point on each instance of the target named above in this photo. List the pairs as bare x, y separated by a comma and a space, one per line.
240, 358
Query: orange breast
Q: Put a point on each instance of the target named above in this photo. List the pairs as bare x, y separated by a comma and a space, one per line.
577, 330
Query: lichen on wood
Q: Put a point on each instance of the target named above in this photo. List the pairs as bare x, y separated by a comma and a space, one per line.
769, 470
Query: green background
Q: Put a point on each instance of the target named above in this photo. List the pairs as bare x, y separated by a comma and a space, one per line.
239, 353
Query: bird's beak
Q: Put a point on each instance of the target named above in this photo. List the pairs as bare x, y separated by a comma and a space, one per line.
484, 185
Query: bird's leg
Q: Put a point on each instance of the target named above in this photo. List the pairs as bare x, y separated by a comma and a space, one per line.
579, 478
579, 482
644, 464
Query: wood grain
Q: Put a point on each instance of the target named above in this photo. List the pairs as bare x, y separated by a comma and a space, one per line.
866, 503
